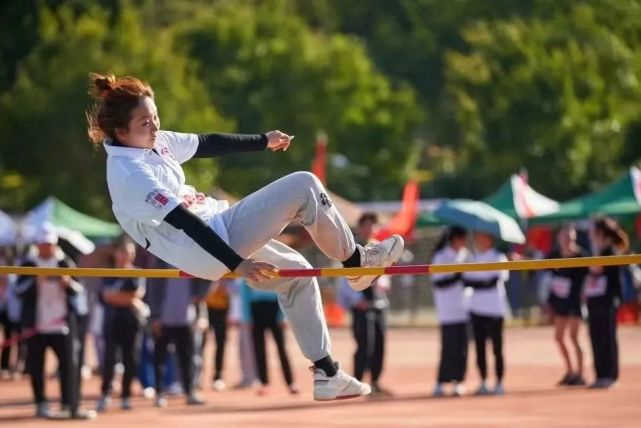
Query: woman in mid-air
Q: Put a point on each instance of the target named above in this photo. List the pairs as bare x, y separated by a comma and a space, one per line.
205, 237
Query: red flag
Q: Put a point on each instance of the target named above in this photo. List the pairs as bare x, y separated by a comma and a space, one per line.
318, 164
404, 221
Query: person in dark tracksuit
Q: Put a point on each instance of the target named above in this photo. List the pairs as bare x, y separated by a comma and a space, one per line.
261, 308
9, 327
488, 306
369, 312
124, 316
368, 309
218, 309
603, 292
173, 306
47, 312
566, 287
452, 312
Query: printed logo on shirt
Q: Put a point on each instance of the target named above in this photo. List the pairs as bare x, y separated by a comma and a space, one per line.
157, 199
325, 200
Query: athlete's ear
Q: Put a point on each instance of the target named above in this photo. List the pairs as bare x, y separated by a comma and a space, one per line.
121, 134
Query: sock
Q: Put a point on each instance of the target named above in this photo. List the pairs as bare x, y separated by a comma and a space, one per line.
328, 365
354, 260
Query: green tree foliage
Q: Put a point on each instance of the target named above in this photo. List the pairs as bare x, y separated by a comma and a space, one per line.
470, 91
267, 69
44, 147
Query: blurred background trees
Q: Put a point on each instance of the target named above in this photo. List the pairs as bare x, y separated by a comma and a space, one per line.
462, 91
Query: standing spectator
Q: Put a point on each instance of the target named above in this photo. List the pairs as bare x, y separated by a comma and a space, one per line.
452, 312
245, 342
262, 310
218, 310
603, 291
9, 328
566, 286
47, 311
124, 316
487, 309
200, 330
369, 310
173, 317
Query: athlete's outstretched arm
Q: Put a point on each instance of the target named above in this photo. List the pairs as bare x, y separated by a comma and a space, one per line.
219, 143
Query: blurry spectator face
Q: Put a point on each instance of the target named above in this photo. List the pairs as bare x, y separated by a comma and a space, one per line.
366, 229
566, 238
46, 250
143, 126
599, 241
483, 241
125, 254
458, 242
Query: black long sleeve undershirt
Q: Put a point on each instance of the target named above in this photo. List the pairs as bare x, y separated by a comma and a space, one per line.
219, 143
194, 227
482, 284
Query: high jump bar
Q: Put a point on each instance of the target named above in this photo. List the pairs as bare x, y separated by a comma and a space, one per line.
426, 269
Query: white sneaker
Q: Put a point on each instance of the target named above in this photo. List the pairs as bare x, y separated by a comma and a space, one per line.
338, 387
459, 390
381, 254
498, 389
161, 401
218, 385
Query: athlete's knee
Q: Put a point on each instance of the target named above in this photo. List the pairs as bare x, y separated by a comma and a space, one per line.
306, 179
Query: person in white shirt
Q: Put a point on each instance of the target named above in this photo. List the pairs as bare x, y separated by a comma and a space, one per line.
48, 319
452, 312
205, 237
487, 309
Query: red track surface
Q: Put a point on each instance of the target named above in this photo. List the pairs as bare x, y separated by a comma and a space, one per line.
533, 367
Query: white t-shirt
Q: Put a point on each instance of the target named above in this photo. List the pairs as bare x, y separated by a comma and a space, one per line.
145, 185
492, 301
51, 306
451, 302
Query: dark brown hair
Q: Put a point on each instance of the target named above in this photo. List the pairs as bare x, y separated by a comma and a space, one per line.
114, 99
609, 228
368, 217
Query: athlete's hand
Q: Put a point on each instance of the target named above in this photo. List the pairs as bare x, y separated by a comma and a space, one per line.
256, 271
277, 140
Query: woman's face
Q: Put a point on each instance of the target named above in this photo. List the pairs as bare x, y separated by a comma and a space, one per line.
143, 126
566, 238
599, 241
483, 241
125, 255
458, 242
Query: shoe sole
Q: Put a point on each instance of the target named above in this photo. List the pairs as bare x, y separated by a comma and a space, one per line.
341, 397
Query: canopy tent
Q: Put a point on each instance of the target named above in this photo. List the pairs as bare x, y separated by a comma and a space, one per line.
478, 216
63, 217
518, 200
8, 230
515, 198
620, 198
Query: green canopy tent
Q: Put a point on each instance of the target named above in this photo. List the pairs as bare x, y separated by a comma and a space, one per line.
520, 201
57, 213
514, 198
620, 198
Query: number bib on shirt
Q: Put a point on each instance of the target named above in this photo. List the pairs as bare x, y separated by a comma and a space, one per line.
595, 286
561, 286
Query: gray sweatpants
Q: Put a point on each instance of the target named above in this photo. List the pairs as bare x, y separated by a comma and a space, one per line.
253, 222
